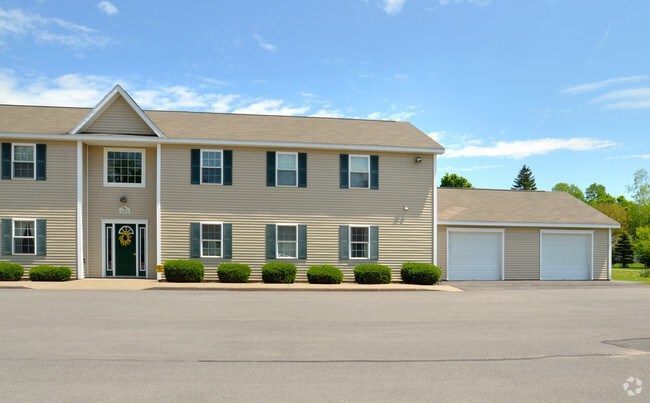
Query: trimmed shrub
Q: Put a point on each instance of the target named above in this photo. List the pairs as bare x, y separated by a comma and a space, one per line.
420, 273
50, 273
324, 275
233, 272
279, 272
184, 271
11, 271
644, 273
372, 274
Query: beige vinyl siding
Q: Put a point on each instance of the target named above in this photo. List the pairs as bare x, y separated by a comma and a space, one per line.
104, 203
522, 253
442, 251
249, 205
601, 254
119, 118
53, 199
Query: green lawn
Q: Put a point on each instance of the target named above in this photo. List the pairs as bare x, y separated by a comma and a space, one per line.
629, 266
628, 275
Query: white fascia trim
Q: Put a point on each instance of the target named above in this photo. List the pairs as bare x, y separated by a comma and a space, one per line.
80, 245
240, 143
526, 224
108, 101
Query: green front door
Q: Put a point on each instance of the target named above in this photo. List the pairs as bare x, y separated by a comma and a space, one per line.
126, 263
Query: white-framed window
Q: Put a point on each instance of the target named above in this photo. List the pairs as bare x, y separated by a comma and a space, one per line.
124, 167
211, 166
211, 239
286, 169
24, 236
23, 161
359, 242
359, 171
286, 241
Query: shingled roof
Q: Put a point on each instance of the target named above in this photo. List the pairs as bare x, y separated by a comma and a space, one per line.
458, 205
232, 127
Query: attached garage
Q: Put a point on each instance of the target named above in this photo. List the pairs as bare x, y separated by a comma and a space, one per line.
566, 255
475, 254
488, 234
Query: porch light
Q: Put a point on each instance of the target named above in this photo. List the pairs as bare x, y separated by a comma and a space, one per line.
123, 199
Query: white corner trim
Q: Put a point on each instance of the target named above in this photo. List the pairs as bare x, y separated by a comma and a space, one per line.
80, 245
609, 254
434, 240
158, 209
527, 224
106, 102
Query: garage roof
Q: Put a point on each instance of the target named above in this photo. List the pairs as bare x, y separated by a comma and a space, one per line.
459, 206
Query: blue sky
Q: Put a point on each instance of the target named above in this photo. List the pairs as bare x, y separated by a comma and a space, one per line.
562, 86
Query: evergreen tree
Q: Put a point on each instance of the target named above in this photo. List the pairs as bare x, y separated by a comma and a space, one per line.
454, 181
623, 252
525, 180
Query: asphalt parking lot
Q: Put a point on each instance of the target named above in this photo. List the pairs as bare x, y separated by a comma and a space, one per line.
497, 342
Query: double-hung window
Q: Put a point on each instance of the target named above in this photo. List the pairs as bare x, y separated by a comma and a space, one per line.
211, 238
359, 242
287, 241
359, 171
286, 169
211, 166
24, 237
124, 167
24, 161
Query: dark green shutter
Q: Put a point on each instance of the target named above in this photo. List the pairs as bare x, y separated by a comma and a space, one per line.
195, 239
227, 241
270, 241
6, 160
6, 236
196, 166
374, 242
344, 245
40, 162
270, 168
41, 237
227, 167
374, 172
302, 170
344, 171
302, 242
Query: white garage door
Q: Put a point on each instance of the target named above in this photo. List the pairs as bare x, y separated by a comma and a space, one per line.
474, 255
566, 256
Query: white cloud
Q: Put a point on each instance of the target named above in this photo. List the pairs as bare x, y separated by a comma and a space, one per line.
18, 24
597, 85
66, 90
264, 45
523, 148
183, 98
328, 113
470, 169
437, 136
479, 3
392, 7
627, 157
107, 8
271, 107
638, 98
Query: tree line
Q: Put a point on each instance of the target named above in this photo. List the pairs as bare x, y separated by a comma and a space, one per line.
634, 215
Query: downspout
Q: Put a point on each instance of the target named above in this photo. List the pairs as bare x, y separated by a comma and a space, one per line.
158, 210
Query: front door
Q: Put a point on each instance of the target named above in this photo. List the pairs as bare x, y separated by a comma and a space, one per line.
126, 256
125, 250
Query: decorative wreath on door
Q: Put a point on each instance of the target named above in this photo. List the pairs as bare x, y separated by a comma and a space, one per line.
126, 236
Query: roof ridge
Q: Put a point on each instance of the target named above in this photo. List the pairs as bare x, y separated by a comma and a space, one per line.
497, 190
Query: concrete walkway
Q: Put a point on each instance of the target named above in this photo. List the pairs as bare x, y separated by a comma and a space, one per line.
140, 284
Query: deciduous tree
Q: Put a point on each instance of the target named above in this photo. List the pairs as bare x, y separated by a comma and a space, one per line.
454, 181
596, 194
573, 190
642, 244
